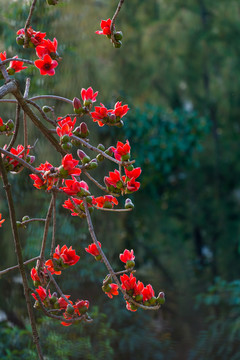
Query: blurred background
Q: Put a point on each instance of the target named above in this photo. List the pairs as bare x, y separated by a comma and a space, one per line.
179, 72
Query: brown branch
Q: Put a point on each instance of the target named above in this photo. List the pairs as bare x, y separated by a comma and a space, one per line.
27, 24
18, 59
4, 72
16, 128
55, 97
112, 27
41, 111
2, 272
54, 195
18, 250
116, 210
7, 89
45, 233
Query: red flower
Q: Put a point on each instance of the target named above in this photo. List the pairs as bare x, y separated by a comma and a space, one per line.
148, 292
112, 290
3, 56
133, 185
50, 266
48, 181
130, 307
138, 288
122, 151
37, 37
78, 205
16, 65
46, 65
34, 275
100, 114
1, 121
114, 179
106, 201
92, 249
127, 256
135, 173
81, 306
128, 282
69, 164
67, 255
120, 110
41, 292
88, 94
47, 47
1, 221
74, 187
63, 303
105, 26
65, 126
19, 151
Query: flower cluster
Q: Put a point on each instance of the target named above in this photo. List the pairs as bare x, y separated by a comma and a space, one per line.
46, 50
125, 184
13, 164
7, 127
103, 116
106, 30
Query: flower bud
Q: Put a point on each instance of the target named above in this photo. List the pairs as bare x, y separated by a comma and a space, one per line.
62, 172
118, 35
107, 280
53, 299
117, 44
101, 147
70, 309
67, 146
100, 157
18, 223
26, 218
119, 185
46, 109
130, 264
106, 288
92, 164
109, 151
77, 105
10, 124
64, 139
161, 298
153, 301
84, 132
83, 156
20, 40
10, 71
32, 159
129, 204
130, 167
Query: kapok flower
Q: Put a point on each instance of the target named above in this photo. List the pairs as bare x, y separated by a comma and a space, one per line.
100, 114
36, 37
1, 221
41, 292
67, 255
34, 275
88, 96
48, 181
133, 185
3, 56
46, 65
122, 151
68, 166
47, 47
127, 256
50, 266
15, 66
63, 303
93, 250
148, 293
105, 26
12, 164
65, 126
81, 306
135, 173
128, 282
130, 307
120, 110
114, 179
107, 201
74, 187
111, 289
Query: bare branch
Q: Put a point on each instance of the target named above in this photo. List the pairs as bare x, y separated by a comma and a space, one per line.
2, 272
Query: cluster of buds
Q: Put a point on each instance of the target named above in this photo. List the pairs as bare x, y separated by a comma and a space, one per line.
12, 164
6, 127
106, 30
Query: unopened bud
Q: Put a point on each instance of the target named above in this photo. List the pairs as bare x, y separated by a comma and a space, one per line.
10, 71
77, 105
129, 204
32, 159
101, 147
130, 167
83, 156
117, 44
130, 264
109, 151
118, 35
70, 309
64, 139
26, 218
20, 40
10, 124
84, 132
46, 109
153, 300
161, 298
92, 164
67, 146
100, 157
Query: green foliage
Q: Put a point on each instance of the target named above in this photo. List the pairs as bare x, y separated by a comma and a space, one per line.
220, 340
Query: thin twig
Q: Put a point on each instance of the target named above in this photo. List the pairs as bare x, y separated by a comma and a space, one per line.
41, 111
54, 195
16, 128
58, 288
4, 72
45, 233
26, 40
2, 272
38, 97
18, 59
112, 27
116, 210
